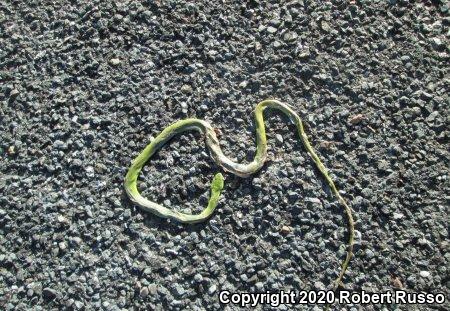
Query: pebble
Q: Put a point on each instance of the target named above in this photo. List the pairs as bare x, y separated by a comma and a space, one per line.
356, 119
49, 293
179, 290
425, 274
271, 30
313, 200
212, 289
11, 150
144, 292
325, 26
14, 93
319, 285
370, 254
397, 216
437, 43
243, 84
259, 286
198, 278
115, 61
279, 138
186, 89
290, 36
152, 289
286, 229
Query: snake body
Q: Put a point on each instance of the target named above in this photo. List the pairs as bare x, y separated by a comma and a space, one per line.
239, 169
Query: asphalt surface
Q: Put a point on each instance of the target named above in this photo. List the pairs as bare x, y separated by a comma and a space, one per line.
84, 85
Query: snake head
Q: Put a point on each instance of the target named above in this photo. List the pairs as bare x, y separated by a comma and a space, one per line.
217, 183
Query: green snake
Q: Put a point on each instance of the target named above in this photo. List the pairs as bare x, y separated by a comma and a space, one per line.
239, 169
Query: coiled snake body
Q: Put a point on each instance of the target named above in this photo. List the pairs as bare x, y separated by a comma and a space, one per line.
239, 169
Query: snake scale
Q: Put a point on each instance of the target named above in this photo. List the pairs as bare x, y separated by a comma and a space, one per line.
239, 169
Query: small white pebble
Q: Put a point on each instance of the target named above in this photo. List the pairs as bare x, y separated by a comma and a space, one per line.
115, 61
398, 216
212, 289
425, 274
279, 138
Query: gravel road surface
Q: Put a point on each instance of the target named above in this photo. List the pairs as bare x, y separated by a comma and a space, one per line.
85, 85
